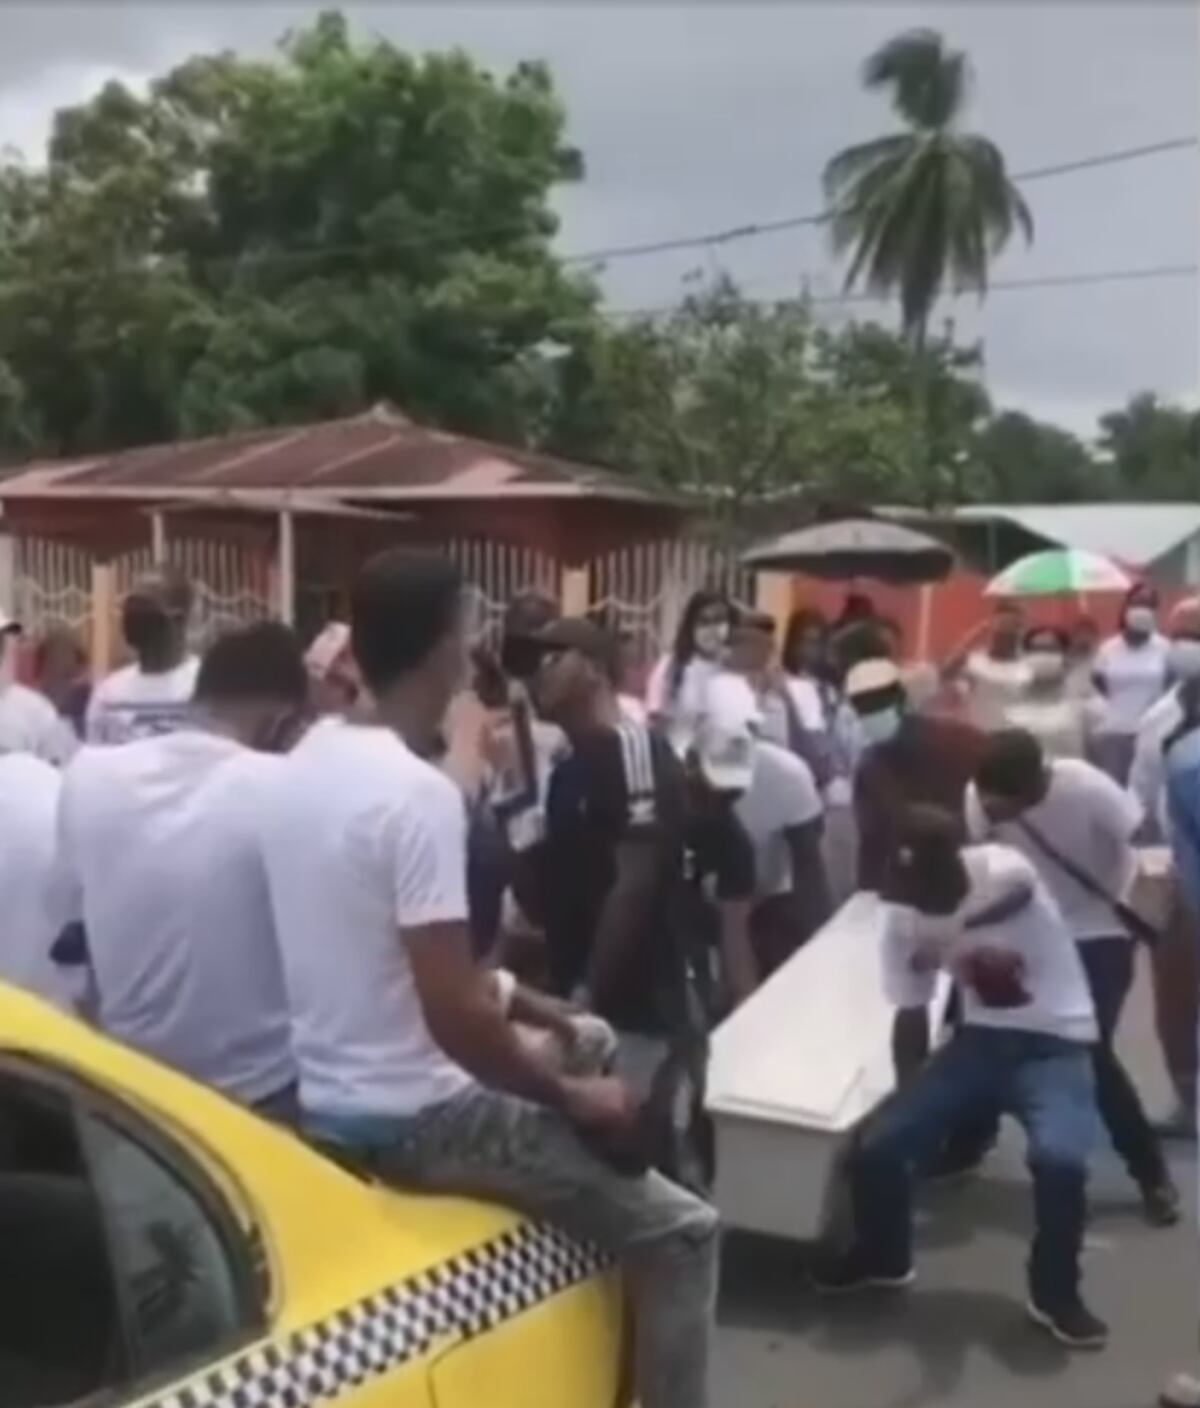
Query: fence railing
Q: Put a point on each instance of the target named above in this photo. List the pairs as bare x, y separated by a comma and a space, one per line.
641, 589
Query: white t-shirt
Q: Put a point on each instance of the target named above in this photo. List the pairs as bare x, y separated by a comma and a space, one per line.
363, 840
1058, 724
159, 857
28, 805
993, 687
1090, 820
1060, 1001
131, 704
684, 709
29, 723
1147, 776
782, 795
1134, 677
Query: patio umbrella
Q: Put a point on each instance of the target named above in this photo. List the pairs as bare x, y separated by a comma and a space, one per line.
847, 548
1059, 572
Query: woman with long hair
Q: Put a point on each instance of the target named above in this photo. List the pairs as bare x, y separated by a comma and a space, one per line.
675, 693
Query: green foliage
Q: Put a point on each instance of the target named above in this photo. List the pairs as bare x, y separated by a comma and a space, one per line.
258, 242
1153, 449
927, 208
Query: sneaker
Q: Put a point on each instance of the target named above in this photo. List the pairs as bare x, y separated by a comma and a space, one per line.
1160, 1204
845, 1275
1180, 1123
1073, 1325
1182, 1391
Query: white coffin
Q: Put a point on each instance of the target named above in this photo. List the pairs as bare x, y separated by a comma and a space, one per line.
794, 1070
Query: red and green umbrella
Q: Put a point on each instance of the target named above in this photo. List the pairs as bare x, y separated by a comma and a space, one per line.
1060, 572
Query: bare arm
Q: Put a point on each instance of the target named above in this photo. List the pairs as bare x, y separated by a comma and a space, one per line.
737, 952
810, 882
459, 1003
622, 917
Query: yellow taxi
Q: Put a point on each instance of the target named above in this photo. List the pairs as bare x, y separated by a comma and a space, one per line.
162, 1246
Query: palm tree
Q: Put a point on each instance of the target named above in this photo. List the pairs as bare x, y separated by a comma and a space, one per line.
929, 206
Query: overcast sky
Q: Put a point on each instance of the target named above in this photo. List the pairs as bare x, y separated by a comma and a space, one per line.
702, 117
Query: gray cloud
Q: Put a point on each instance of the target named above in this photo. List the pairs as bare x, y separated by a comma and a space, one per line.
705, 117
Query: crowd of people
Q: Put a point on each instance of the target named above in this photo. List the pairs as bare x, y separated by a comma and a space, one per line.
466, 916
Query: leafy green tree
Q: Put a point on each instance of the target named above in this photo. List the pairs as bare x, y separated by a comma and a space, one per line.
1022, 460
260, 242
927, 208
1153, 449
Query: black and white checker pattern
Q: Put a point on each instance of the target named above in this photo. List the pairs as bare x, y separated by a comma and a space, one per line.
452, 1302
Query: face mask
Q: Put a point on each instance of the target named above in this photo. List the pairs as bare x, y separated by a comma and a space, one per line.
1184, 659
1140, 621
881, 727
1046, 666
711, 640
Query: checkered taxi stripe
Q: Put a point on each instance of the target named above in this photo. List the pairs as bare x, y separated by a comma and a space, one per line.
453, 1302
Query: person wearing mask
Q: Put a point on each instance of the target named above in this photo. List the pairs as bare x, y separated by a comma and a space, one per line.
159, 860
1076, 826
995, 678
1055, 717
29, 723
908, 759
29, 790
153, 694
677, 691
60, 668
1131, 673
982, 914
406, 1058
1175, 959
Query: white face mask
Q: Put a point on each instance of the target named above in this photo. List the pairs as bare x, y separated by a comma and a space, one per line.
1184, 659
710, 640
1140, 621
1046, 666
880, 727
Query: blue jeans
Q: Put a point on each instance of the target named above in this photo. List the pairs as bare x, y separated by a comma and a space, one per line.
1047, 1085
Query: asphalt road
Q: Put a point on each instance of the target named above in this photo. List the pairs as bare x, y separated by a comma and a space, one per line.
959, 1336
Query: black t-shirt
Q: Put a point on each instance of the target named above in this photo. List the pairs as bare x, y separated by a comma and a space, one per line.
625, 785
619, 785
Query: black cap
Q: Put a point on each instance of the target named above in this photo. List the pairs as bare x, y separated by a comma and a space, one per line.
578, 633
528, 614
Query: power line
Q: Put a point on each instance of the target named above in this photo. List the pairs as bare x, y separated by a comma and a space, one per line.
1082, 280
752, 230
795, 222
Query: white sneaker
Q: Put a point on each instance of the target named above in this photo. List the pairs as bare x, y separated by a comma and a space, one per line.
1183, 1391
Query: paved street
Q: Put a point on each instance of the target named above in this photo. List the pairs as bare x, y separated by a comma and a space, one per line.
960, 1335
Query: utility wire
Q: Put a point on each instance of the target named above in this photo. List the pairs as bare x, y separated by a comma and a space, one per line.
1084, 280
442, 239
795, 222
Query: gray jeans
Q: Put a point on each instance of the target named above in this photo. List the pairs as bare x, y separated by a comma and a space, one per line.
493, 1146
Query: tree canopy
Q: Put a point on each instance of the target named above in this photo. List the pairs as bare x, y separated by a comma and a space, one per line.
263, 242
256, 242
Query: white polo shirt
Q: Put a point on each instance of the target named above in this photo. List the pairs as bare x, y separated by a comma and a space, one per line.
28, 804
1060, 1001
363, 840
131, 704
1090, 821
159, 857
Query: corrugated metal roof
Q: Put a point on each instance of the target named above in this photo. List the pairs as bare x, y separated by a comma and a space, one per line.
379, 455
1135, 533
